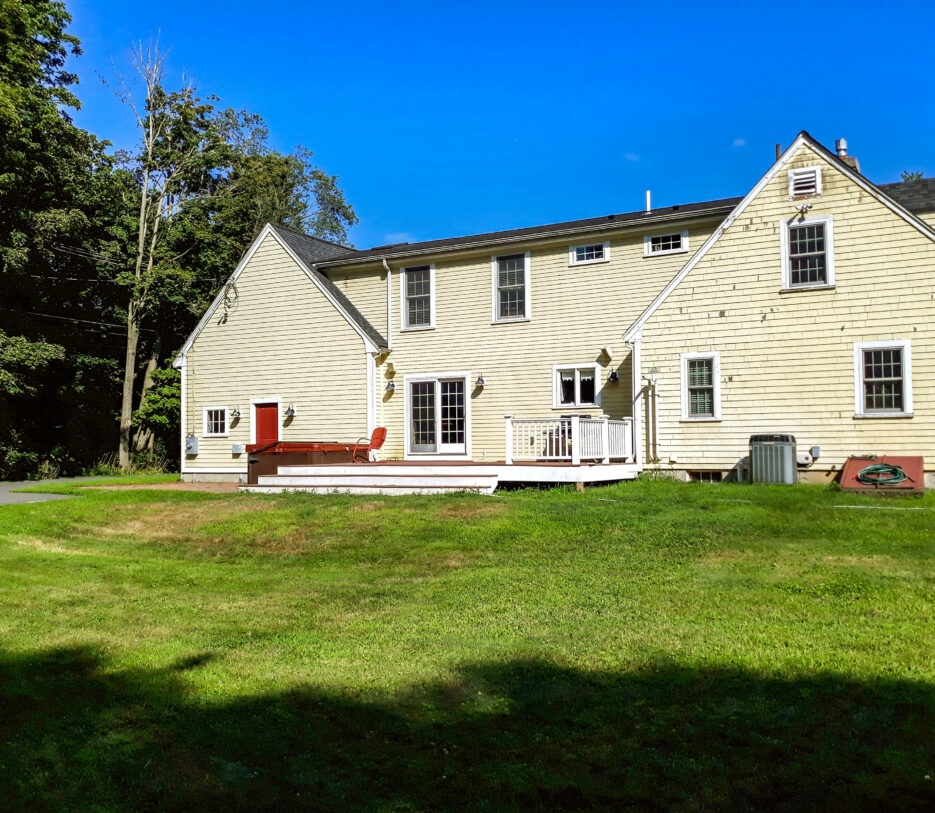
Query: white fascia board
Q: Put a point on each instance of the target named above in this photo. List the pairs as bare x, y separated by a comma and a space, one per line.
267, 230
635, 329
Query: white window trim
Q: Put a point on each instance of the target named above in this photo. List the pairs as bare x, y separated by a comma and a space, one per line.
407, 435
793, 172
494, 299
404, 311
556, 389
859, 410
204, 423
253, 403
716, 373
572, 253
784, 226
648, 244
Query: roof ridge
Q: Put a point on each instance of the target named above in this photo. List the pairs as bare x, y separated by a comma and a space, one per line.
312, 236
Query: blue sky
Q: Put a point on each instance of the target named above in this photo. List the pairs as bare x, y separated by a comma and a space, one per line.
454, 119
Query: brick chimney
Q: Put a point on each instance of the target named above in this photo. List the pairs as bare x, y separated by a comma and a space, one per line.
841, 147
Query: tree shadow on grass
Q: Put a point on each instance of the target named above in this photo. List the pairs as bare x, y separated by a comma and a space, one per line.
520, 734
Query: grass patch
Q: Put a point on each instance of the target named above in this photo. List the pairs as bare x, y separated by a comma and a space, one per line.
75, 486
650, 644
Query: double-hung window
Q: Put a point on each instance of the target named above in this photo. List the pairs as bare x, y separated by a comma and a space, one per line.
215, 422
589, 253
511, 287
701, 387
807, 252
883, 379
418, 290
576, 386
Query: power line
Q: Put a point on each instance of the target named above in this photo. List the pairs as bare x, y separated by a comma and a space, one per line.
77, 279
73, 319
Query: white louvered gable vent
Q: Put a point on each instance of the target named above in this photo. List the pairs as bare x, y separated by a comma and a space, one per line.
804, 182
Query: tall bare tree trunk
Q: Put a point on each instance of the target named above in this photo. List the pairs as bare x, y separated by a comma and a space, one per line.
144, 439
129, 376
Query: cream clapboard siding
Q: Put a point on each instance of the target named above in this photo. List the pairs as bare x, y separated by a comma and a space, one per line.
367, 290
283, 340
576, 310
787, 360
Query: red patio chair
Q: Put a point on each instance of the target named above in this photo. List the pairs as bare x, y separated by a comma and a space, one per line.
365, 447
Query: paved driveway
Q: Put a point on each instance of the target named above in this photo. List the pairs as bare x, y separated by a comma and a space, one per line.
7, 497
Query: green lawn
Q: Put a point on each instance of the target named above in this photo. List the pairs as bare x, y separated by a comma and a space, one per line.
646, 645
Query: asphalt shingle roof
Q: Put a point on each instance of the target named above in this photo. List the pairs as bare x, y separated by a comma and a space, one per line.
916, 196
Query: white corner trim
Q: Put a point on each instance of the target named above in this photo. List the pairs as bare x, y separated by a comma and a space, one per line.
183, 398
494, 299
253, 402
648, 244
859, 410
794, 222
204, 423
715, 356
267, 231
801, 171
802, 138
573, 253
556, 389
404, 327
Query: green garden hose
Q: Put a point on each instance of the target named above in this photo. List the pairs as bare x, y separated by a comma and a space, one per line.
881, 474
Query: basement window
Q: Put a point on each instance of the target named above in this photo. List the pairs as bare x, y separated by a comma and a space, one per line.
215, 422
658, 244
804, 182
705, 476
587, 254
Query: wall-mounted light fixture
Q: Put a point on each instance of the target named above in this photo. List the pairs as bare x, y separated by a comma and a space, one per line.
613, 377
290, 411
481, 381
235, 411
390, 386
651, 374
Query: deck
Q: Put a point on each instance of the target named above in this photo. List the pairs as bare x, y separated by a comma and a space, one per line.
416, 476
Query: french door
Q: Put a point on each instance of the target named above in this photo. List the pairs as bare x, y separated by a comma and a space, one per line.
437, 416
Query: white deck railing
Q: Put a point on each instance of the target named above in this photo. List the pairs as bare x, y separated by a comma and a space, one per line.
571, 438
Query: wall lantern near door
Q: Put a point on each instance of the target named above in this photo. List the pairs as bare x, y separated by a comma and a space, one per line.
481, 382
614, 377
235, 412
290, 411
390, 386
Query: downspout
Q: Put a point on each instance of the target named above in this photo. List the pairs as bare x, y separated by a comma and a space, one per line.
389, 305
636, 385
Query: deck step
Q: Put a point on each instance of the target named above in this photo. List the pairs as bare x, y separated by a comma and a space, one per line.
390, 469
360, 488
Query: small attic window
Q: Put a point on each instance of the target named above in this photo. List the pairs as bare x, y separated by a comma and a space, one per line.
805, 182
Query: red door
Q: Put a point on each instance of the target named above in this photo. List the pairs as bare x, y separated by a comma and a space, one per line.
267, 423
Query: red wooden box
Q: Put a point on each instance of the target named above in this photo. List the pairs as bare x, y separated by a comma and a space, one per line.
913, 466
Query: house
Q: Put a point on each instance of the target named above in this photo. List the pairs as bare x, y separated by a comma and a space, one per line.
662, 338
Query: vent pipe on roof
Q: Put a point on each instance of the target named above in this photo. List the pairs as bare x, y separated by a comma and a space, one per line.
840, 147
649, 207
